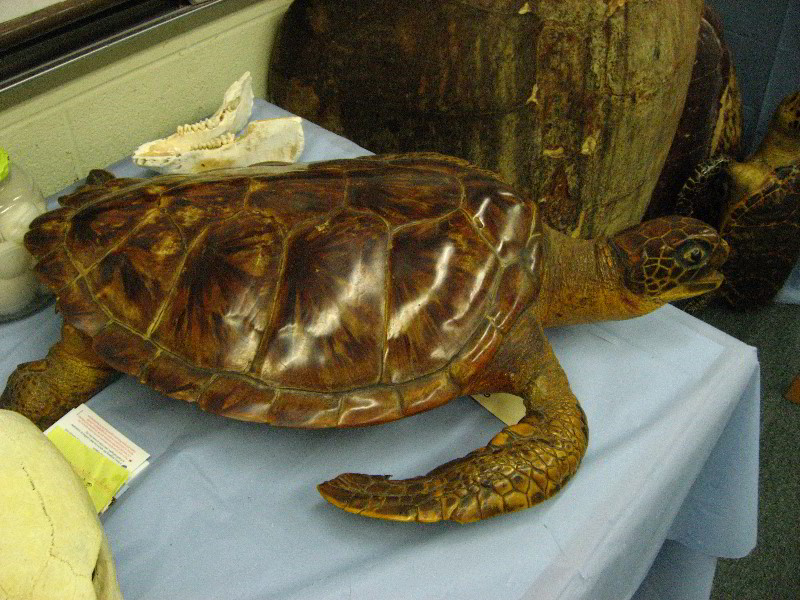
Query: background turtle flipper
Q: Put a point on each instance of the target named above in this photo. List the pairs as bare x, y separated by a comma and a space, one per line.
523, 465
705, 193
763, 231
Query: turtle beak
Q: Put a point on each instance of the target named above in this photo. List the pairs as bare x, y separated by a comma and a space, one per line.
702, 285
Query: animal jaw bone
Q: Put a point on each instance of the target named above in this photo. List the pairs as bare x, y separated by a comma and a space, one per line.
267, 140
232, 115
212, 144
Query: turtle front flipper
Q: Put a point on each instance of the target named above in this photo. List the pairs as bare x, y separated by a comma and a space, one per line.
705, 192
523, 465
45, 390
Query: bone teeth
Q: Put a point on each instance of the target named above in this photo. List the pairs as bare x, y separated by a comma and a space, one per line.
230, 117
224, 139
213, 121
279, 140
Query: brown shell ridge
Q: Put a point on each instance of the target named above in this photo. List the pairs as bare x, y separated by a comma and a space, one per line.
176, 276
394, 159
196, 388
398, 161
146, 365
304, 225
257, 364
386, 276
155, 320
533, 233
479, 230
63, 246
415, 223
143, 222
87, 193
296, 295
40, 258
56, 244
78, 268
258, 382
177, 227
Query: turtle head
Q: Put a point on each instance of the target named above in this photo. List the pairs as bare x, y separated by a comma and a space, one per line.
670, 258
787, 116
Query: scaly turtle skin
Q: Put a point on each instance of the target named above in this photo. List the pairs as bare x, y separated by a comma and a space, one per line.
755, 204
345, 293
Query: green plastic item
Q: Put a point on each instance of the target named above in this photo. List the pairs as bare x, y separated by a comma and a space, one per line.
5, 164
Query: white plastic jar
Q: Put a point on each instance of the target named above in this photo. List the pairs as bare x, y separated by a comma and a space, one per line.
21, 202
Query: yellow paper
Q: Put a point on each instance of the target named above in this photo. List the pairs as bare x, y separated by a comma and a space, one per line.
102, 477
506, 407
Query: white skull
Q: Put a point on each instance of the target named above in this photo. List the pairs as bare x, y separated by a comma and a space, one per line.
52, 545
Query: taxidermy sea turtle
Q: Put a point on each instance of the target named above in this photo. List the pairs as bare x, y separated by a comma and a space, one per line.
346, 293
755, 204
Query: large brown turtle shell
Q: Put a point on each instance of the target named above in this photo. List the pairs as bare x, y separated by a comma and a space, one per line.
339, 293
572, 101
710, 125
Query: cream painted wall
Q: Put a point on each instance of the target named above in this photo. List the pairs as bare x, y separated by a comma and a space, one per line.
11, 9
97, 110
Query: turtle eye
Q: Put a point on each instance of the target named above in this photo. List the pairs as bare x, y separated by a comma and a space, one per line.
692, 254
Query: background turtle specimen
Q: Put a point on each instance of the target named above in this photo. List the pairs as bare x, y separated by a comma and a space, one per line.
345, 293
755, 204
574, 102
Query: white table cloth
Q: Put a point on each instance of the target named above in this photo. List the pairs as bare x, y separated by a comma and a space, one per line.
230, 510
790, 292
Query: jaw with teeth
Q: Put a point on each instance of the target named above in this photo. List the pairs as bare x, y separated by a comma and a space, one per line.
231, 116
211, 143
269, 140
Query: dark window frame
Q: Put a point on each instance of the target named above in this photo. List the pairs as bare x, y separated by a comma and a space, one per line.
47, 39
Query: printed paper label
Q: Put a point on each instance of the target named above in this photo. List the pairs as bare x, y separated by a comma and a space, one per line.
104, 458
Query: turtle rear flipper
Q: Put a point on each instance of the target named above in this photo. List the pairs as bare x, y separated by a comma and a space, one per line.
44, 390
523, 465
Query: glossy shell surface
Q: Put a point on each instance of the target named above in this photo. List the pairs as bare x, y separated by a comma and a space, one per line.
333, 294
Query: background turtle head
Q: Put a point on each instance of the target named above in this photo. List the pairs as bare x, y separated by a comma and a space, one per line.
787, 116
670, 258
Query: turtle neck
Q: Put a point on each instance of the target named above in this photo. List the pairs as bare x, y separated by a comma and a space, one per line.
582, 283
